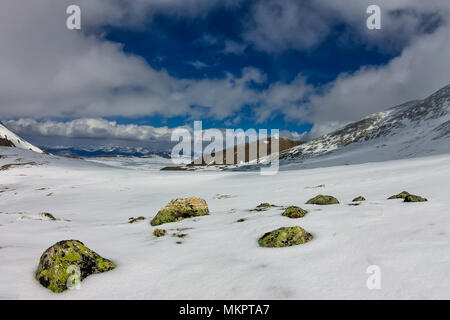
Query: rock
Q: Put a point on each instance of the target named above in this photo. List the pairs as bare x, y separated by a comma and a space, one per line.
401, 195
159, 233
284, 237
294, 212
53, 271
414, 198
264, 206
360, 198
179, 209
48, 215
133, 220
323, 200
240, 220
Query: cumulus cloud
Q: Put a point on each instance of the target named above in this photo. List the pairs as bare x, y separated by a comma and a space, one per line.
89, 128
279, 25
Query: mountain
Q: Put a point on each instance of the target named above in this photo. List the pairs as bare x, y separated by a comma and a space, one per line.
283, 144
10, 139
106, 151
415, 128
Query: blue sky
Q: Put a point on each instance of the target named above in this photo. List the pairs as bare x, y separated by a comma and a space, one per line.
138, 69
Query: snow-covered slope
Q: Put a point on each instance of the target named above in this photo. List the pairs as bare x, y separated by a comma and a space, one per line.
10, 139
219, 258
415, 128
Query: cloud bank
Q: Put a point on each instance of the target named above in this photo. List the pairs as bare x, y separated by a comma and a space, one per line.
51, 72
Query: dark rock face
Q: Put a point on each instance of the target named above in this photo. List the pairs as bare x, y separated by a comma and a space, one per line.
323, 200
294, 212
284, 237
360, 198
4, 142
59, 262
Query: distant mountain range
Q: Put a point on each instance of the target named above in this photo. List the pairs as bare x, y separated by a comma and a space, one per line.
107, 151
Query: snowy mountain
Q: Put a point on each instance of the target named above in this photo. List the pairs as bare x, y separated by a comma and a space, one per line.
10, 139
412, 129
106, 151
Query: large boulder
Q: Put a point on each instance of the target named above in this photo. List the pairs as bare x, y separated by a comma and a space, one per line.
323, 200
68, 258
294, 212
284, 237
179, 209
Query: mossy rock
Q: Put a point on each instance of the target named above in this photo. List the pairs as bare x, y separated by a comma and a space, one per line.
159, 233
53, 271
179, 209
401, 195
284, 237
294, 212
264, 206
360, 198
323, 200
414, 198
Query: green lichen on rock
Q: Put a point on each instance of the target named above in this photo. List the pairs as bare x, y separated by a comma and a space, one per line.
179, 209
159, 233
323, 200
284, 237
401, 195
264, 206
360, 198
53, 271
414, 198
294, 212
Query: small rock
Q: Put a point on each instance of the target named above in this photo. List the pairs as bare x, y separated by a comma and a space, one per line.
48, 215
264, 206
133, 220
294, 212
241, 220
323, 200
360, 198
179, 209
414, 198
401, 195
159, 233
53, 271
284, 237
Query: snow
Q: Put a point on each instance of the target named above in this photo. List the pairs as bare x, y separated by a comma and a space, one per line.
16, 140
219, 258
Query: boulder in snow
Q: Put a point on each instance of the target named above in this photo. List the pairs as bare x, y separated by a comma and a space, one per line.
294, 212
360, 198
67, 262
323, 200
401, 195
414, 198
179, 209
284, 237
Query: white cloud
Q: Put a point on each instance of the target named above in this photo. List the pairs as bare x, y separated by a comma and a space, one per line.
89, 128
